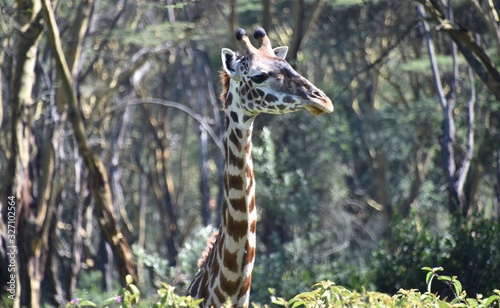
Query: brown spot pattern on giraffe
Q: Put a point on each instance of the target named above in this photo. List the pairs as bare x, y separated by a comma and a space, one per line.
253, 226
250, 179
221, 247
251, 206
196, 284
234, 116
270, 98
215, 269
237, 229
229, 99
282, 106
204, 286
228, 286
230, 261
246, 286
247, 118
235, 181
250, 253
220, 295
236, 161
238, 133
234, 140
239, 204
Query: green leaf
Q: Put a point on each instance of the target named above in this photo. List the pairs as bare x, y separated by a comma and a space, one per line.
197, 302
299, 303
278, 301
458, 286
442, 304
490, 300
135, 291
87, 303
429, 277
108, 301
426, 268
473, 303
444, 278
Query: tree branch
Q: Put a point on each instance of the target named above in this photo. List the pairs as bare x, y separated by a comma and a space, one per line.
156, 101
475, 55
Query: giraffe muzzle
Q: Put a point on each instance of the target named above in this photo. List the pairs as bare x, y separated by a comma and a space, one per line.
319, 103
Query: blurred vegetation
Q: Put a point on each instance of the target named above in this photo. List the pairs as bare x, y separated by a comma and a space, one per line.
393, 181
323, 294
471, 245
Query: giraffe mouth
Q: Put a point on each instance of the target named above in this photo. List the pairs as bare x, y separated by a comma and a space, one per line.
319, 106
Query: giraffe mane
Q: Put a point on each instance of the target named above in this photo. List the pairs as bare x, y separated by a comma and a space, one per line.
208, 249
224, 78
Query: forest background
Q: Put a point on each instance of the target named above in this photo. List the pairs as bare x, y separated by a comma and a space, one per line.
111, 125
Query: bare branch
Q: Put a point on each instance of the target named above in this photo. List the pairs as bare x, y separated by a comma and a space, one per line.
464, 169
475, 55
156, 101
432, 56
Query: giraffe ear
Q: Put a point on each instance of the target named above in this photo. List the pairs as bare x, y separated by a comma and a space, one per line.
281, 51
229, 61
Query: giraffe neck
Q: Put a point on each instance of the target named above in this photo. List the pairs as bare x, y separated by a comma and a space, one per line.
239, 219
227, 271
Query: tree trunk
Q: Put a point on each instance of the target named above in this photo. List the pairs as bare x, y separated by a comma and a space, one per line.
455, 176
31, 247
97, 173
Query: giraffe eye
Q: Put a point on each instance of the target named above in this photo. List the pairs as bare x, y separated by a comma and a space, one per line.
259, 78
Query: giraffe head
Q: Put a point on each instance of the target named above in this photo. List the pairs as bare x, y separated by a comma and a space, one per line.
264, 81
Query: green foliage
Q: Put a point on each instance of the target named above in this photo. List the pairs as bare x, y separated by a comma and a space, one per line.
152, 260
467, 249
129, 296
154, 35
89, 286
423, 66
328, 294
323, 294
169, 299
299, 265
472, 251
5, 301
190, 253
297, 230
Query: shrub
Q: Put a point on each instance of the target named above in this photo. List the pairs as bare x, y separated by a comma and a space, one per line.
323, 294
469, 249
327, 294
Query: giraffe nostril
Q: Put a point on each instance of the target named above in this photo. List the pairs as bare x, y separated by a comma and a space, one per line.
317, 93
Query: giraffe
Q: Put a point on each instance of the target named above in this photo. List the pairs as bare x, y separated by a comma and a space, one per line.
258, 81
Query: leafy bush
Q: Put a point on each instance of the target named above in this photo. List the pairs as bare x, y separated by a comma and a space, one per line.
129, 296
469, 249
327, 294
192, 250
323, 294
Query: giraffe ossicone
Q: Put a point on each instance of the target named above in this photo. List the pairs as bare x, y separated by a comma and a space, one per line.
257, 81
